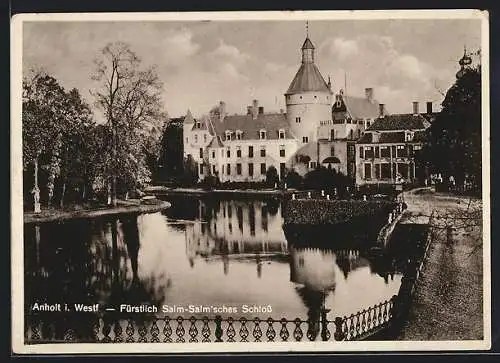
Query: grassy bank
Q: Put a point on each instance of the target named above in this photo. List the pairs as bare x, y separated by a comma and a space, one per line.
123, 207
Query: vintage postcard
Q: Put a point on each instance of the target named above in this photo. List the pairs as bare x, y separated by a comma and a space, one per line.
268, 181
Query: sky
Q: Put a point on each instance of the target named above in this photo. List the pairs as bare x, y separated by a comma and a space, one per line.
204, 62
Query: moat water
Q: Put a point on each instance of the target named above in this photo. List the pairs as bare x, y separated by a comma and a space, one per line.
203, 258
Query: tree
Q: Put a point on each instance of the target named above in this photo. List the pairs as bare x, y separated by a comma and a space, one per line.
171, 155
130, 98
42, 116
75, 145
293, 179
190, 174
272, 176
453, 146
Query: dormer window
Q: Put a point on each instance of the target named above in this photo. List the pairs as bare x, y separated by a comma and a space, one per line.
409, 135
239, 135
262, 134
228, 135
281, 133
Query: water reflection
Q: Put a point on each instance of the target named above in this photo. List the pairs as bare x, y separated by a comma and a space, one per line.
215, 252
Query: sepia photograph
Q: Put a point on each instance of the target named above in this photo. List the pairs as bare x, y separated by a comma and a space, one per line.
272, 181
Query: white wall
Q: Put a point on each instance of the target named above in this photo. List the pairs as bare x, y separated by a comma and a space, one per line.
311, 107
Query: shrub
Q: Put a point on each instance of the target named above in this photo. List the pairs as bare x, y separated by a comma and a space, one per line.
293, 179
272, 176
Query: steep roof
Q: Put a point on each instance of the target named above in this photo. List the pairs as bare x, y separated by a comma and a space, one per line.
391, 137
307, 44
215, 142
271, 122
308, 79
356, 107
400, 122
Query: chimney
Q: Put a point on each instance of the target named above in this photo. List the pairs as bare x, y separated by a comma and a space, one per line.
255, 109
381, 110
249, 110
369, 94
415, 107
429, 107
261, 110
222, 110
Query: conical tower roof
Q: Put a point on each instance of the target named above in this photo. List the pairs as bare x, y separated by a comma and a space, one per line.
308, 79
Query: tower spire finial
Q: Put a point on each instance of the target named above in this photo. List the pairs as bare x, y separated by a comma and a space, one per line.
307, 28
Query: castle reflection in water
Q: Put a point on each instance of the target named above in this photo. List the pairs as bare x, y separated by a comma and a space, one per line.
232, 230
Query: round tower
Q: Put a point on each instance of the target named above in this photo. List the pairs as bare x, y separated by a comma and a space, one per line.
309, 98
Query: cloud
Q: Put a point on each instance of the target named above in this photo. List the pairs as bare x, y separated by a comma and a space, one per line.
343, 48
178, 47
369, 60
229, 53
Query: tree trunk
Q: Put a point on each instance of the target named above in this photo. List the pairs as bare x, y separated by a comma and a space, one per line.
62, 194
109, 193
84, 191
113, 190
36, 190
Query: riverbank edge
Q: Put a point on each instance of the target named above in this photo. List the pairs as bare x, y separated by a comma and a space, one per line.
125, 207
163, 191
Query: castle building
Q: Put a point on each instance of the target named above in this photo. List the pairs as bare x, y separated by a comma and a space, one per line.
386, 152
241, 148
316, 130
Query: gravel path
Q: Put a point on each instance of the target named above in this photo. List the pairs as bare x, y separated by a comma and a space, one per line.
448, 304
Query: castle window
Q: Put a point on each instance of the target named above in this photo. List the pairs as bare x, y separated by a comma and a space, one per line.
282, 151
228, 135
263, 168
250, 151
401, 151
187, 140
312, 165
281, 134
201, 169
332, 151
228, 169
201, 153
297, 120
305, 139
238, 169
228, 152
262, 134
213, 154
238, 152
385, 152
263, 151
